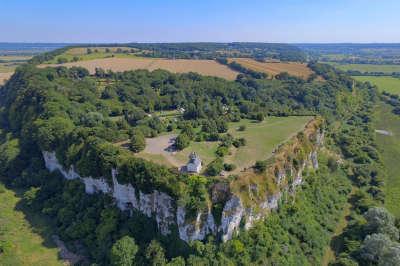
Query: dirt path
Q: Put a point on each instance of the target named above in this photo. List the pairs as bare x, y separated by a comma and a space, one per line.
335, 244
163, 145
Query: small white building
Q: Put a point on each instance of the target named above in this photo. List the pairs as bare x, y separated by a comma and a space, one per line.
194, 165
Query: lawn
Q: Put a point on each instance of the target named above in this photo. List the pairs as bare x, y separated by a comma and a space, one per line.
388, 84
262, 138
23, 244
368, 67
390, 147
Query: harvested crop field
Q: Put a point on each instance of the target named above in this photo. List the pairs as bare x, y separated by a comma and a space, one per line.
274, 68
5, 76
203, 67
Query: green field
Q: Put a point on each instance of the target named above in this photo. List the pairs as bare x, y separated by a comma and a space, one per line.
82, 55
23, 244
388, 84
262, 138
390, 148
367, 67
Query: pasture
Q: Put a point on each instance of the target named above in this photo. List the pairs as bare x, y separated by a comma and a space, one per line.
203, 67
20, 242
274, 68
389, 145
388, 84
388, 69
261, 137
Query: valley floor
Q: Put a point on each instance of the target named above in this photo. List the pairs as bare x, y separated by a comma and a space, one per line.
389, 146
24, 236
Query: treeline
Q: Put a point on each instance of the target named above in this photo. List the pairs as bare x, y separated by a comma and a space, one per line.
393, 100
238, 67
279, 51
372, 74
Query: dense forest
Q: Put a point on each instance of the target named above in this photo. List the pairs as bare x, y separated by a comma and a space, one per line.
81, 116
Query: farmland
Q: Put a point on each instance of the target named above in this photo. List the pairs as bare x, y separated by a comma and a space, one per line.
387, 69
390, 147
272, 69
5, 76
388, 84
82, 54
261, 139
20, 243
203, 67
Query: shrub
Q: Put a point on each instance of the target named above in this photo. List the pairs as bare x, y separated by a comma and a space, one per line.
239, 142
242, 128
260, 166
62, 60
215, 167
332, 164
222, 151
138, 142
182, 141
229, 167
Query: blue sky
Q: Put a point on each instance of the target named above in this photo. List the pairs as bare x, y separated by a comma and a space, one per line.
201, 20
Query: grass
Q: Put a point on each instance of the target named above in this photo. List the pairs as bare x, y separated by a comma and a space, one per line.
388, 84
388, 69
23, 244
262, 138
9, 63
390, 148
82, 55
206, 151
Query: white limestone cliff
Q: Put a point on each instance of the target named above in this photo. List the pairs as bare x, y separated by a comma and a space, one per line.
163, 209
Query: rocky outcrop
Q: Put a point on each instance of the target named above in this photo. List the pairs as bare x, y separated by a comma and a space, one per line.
198, 229
163, 209
156, 204
231, 217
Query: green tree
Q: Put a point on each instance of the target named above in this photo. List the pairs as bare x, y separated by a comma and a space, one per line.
155, 255
123, 251
182, 141
379, 220
137, 142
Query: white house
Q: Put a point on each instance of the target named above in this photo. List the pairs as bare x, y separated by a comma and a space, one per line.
194, 165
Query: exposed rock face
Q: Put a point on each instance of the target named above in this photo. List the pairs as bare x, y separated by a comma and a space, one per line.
52, 164
196, 230
163, 208
93, 185
157, 203
231, 217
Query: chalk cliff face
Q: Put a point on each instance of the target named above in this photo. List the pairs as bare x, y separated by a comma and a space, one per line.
163, 208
